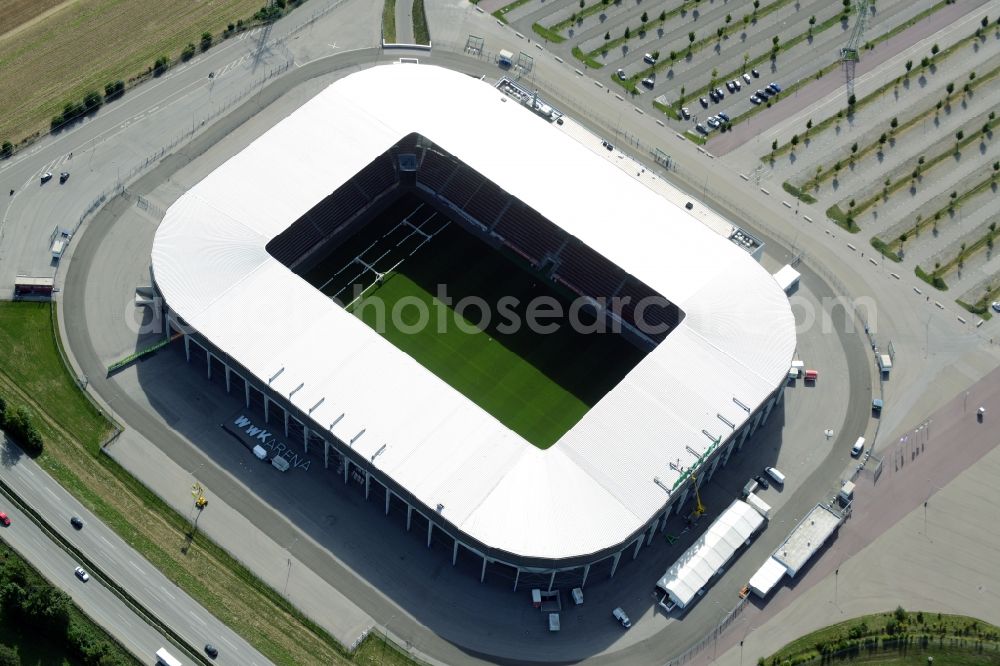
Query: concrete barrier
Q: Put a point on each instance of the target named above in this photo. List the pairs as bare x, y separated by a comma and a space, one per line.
558, 59
620, 98
598, 84
895, 275
807, 218
853, 249
786, 204
679, 136
765, 191
938, 304
660, 123
744, 177
639, 111
578, 72
961, 319
918, 291
872, 261
979, 323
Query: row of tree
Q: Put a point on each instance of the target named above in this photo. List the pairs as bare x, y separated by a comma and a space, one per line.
18, 423
31, 603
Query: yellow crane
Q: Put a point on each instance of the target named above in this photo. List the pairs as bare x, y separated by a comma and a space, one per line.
699, 508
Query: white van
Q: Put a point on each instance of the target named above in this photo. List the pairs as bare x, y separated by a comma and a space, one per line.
858, 447
775, 474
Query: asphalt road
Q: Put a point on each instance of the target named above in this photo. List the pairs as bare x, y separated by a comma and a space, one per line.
726, 194
92, 597
118, 561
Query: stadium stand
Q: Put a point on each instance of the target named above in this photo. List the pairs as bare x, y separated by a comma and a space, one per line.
462, 186
589, 272
657, 313
377, 177
527, 232
488, 203
435, 170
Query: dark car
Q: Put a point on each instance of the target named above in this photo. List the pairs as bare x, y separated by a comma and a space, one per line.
775, 87
704, 102
211, 651
63, 177
755, 73
76, 522
46, 177
723, 116
762, 482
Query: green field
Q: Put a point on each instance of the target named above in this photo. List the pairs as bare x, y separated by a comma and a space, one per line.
538, 384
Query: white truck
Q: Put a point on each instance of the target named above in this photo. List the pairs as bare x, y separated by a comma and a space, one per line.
885, 364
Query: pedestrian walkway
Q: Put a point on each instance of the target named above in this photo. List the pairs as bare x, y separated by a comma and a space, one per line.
404, 22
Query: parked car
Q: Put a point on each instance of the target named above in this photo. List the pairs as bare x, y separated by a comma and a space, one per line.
686, 112
620, 615
211, 650
81, 574
723, 116
746, 77
775, 87
4, 519
713, 96
755, 73
761, 481
648, 82
775, 475
763, 94
719, 93
621, 74
754, 99
712, 122
63, 177
76, 522
701, 128
46, 177
995, 305
704, 102
730, 87
649, 59
737, 84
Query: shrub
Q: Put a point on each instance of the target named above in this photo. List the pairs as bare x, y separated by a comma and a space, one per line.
6, 149
114, 90
19, 425
206, 41
935, 49
900, 614
161, 65
92, 101
188, 52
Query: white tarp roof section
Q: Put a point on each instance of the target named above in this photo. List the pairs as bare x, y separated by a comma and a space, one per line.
692, 571
583, 495
762, 582
807, 538
786, 277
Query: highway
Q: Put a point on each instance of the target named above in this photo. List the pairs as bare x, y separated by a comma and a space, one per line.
118, 561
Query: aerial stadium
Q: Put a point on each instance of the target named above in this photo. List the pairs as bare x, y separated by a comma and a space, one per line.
311, 274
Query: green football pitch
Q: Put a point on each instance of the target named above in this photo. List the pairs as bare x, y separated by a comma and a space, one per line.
538, 384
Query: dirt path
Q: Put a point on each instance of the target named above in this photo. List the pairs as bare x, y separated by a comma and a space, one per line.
834, 82
36, 19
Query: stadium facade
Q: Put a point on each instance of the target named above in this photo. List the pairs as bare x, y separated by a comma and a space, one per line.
226, 260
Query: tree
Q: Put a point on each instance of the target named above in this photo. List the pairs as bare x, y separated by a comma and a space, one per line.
92, 101
909, 66
985, 22
775, 40
729, 18
114, 90
934, 50
720, 31
663, 16
582, 5
644, 18
607, 36
812, 21
795, 139
9, 656
161, 65
756, 5
206, 41
893, 123
852, 100
690, 38
950, 88
972, 76
774, 145
628, 33
882, 139
925, 62
673, 56
188, 52
6, 150
809, 124
18, 424
854, 148
959, 135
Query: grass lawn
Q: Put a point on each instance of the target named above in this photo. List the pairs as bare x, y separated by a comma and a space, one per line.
899, 637
539, 384
31, 373
89, 43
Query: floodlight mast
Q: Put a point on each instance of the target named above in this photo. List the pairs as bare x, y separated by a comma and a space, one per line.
850, 54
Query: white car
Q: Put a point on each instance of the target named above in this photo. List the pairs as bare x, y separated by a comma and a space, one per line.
620, 615
746, 77
995, 305
621, 74
648, 82
713, 122
81, 574
686, 112
46, 177
737, 84
649, 58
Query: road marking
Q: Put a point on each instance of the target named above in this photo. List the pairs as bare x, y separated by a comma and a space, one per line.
226, 641
51, 492
195, 616
136, 567
167, 593
104, 540
27, 471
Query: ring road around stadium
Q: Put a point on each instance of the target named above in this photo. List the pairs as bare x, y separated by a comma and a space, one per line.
308, 271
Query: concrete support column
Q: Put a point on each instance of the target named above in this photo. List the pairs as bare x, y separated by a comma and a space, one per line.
286, 422
680, 502
430, 531
368, 483
409, 516
756, 422
246, 392
517, 577
638, 545
743, 436
552, 580
187, 347
267, 409
305, 438
454, 553
663, 521
586, 572
652, 531
614, 565
482, 575
767, 410
208, 364
388, 494
228, 387
347, 464
729, 451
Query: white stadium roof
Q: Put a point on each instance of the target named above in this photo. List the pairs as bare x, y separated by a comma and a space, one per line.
594, 487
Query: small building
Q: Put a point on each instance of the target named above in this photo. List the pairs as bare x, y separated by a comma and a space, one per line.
36, 287
787, 278
762, 582
807, 538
